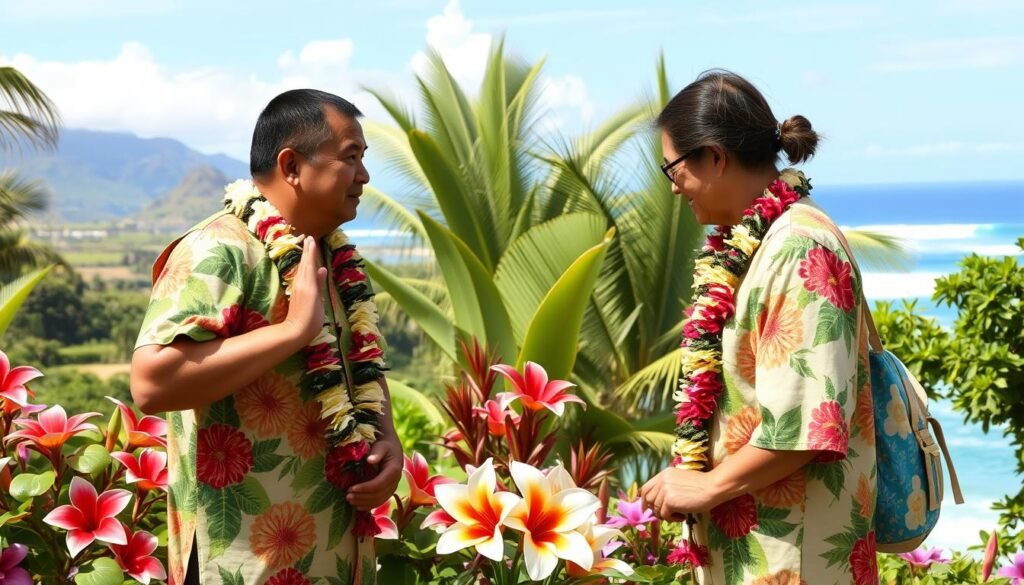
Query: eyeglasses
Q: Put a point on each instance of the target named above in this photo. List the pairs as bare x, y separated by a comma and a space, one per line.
669, 167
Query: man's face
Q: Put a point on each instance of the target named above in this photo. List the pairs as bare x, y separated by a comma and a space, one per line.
333, 181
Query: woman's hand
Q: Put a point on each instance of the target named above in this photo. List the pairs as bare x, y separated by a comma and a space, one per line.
674, 493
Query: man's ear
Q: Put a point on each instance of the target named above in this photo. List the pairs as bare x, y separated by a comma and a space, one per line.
288, 165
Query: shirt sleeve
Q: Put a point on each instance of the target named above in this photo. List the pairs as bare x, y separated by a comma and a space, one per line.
199, 292
806, 348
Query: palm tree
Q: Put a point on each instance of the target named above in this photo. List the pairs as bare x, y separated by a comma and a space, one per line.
27, 119
485, 169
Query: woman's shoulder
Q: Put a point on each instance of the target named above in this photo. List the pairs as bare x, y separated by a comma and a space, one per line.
804, 225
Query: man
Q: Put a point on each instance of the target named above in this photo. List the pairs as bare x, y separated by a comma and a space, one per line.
269, 485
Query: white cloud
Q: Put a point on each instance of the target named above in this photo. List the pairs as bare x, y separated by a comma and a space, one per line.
564, 100
969, 53
464, 51
816, 18
573, 17
210, 109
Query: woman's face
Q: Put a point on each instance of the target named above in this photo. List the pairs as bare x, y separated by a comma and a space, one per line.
697, 179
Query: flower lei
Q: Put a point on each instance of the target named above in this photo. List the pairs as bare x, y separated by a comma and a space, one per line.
351, 401
720, 265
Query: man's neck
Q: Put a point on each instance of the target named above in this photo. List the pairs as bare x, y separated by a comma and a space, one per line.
283, 198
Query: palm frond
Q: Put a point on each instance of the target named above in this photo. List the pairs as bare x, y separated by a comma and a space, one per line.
877, 251
651, 389
20, 197
26, 113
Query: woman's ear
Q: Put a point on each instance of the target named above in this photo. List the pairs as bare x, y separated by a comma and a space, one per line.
719, 159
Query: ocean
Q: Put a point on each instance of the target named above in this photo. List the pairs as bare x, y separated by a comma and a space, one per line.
939, 224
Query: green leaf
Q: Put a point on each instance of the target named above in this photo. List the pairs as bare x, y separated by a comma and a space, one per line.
14, 293
251, 496
754, 308
832, 474
343, 568
735, 557
456, 202
798, 362
788, 430
340, 521
552, 337
223, 412
311, 473
830, 389
479, 310
805, 297
264, 456
833, 323
228, 578
101, 571
322, 498
771, 522
536, 259
258, 289
93, 459
793, 248
226, 262
424, 405
195, 294
306, 563
430, 319
25, 486
224, 520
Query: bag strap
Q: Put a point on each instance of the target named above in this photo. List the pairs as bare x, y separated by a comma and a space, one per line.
954, 483
874, 340
916, 407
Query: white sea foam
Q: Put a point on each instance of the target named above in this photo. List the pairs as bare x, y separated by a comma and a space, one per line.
889, 285
941, 231
959, 526
944, 238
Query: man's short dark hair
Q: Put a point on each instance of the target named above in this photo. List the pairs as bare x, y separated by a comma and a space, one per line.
295, 119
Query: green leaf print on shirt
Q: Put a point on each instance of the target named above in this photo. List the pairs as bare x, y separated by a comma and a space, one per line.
798, 361
226, 262
794, 247
835, 323
754, 308
258, 289
224, 518
772, 522
783, 433
265, 457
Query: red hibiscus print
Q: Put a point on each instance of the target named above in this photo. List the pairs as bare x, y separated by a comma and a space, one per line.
288, 577
825, 274
233, 320
223, 456
828, 431
737, 517
863, 561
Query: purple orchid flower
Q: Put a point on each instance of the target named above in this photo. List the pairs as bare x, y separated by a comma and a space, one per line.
1015, 571
923, 558
10, 572
632, 514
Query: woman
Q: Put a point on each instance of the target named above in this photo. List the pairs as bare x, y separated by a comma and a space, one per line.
774, 466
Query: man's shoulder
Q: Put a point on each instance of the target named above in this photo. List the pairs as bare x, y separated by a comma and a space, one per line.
220, 229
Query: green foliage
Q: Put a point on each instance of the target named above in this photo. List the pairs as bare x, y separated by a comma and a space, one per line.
78, 391
980, 364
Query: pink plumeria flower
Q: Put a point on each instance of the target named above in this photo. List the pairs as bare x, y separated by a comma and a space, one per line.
10, 571
1015, 572
53, 428
12, 387
926, 557
632, 514
136, 557
386, 527
148, 431
479, 512
90, 517
438, 520
421, 483
533, 389
496, 412
549, 518
148, 471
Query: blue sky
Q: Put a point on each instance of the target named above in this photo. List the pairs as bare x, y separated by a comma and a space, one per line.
903, 91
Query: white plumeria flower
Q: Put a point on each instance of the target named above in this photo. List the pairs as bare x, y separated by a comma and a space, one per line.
598, 536
549, 517
478, 511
